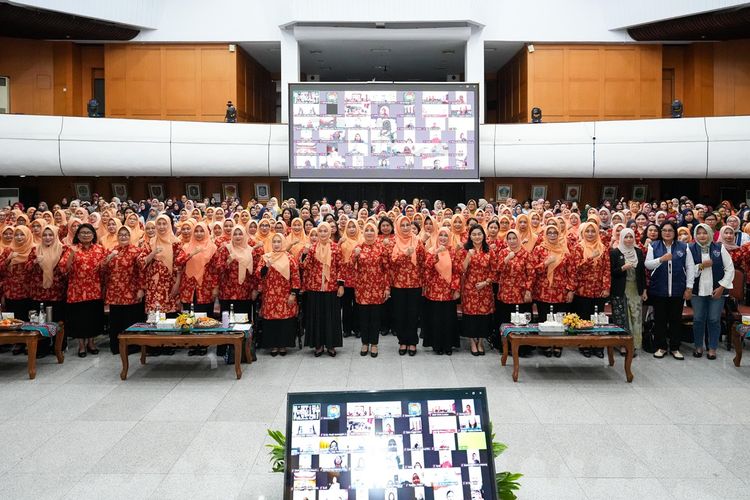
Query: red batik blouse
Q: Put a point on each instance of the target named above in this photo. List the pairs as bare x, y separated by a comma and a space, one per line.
276, 290
16, 283
158, 281
515, 277
371, 278
477, 301
436, 288
56, 292
593, 276
313, 270
85, 277
563, 279
406, 274
228, 276
124, 277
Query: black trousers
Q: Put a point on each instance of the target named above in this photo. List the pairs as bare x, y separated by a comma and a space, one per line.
542, 309
667, 322
406, 302
348, 311
584, 306
120, 318
368, 316
503, 310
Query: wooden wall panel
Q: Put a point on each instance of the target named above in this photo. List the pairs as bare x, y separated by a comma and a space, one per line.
92, 58
30, 66
512, 90
731, 72
591, 189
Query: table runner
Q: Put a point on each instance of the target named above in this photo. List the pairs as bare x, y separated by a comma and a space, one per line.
533, 329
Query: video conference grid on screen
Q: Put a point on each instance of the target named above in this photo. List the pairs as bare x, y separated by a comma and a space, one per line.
390, 450
383, 131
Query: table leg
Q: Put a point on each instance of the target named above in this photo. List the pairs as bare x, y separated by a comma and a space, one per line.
611, 355
238, 358
124, 358
628, 360
143, 354
31, 349
515, 361
505, 350
59, 338
737, 342
249, 350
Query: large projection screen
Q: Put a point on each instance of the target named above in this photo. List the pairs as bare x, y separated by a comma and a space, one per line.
383, 132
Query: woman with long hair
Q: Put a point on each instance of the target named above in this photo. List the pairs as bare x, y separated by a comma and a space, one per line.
407, 261
82, 263
442, 288
477, 301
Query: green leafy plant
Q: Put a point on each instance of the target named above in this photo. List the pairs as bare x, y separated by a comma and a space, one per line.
507, 482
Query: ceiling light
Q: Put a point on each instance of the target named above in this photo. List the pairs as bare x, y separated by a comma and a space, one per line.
449, 52
441, 68
325, 68
274, 49
490, 49
316, 52
380, 51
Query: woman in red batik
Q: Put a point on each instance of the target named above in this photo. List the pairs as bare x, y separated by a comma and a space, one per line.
47, 280
237, 283
371, 287
17, 264
554, 276
442, 284
349, 241
279, 274
407, 264
162, 262
321, 264
82, 262
515, 272
477, 301
593, 276
124, 287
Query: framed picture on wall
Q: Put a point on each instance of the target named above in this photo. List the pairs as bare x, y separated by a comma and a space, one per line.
572, 192
639, 192
156, 191
120, 191
230, 190
504, 191
83, 191
539, 192
609, 193
193, 191
262, 192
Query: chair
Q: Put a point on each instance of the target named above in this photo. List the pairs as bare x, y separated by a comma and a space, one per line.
734, 307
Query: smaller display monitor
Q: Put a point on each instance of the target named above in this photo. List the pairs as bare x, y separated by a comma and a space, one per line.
420, 444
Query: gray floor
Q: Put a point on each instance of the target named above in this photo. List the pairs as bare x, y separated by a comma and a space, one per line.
183, 427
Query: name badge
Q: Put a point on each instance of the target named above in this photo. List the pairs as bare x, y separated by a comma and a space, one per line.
717, 253
679, 253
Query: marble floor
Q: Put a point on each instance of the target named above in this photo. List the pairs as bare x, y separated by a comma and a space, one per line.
184, 427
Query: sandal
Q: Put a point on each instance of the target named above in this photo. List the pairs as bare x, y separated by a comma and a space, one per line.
697, 354
557, 352
374, 351
364, 351
660, 353
677, 355
332, 353
282, 352
318, 353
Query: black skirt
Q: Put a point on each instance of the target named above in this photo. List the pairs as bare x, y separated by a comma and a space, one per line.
279, 332
476, 326
322, 320
20, 308
406, 303
440, 325
84, 320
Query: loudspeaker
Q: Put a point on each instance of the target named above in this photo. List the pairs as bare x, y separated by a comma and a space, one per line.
453, 78
313, 78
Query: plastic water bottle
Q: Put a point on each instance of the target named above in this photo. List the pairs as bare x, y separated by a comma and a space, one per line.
596, 315
231, 312
518, 309
42, 314
551, 316
192, 309
158, 314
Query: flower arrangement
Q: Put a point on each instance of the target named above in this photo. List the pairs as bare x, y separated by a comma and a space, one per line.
574, 322
185, 321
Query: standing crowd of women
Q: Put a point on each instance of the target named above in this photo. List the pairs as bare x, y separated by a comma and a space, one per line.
326, 272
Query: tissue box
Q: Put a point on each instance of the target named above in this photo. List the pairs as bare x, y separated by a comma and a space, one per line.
9, 316
241, 318
167, 324
745, 319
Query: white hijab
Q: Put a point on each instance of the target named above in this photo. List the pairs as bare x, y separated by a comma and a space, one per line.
631, 257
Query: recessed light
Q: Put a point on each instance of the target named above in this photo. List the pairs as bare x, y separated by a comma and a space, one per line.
325, 68
274, 49
380, 51
441, 68
321, 61
22, 175
316, 52
490, 49
449, 52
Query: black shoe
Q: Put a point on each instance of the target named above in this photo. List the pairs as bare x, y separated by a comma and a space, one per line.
401, 352
711, 356
347, 334
82, 354
413, 352
475, 353
332, 353
374, 354
92, 351
599, 353
318, 353
557, 353
481, 353
449, 352
282, 353
697, 354
548, 353
192, 352
586, 353
357, 334
363, 353
439, 352
202, 351
168, 351
274, 353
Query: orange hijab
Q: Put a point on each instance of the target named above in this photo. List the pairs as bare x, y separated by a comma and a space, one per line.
456, 237
323, 254
109, 240
405, 241
136, 233
558, 250
527, 235
196, 266
165, 241
242, 253
298, 240
42, 224
443, 266
2, 242
49, 256
279, 260
348, 243
24, 249
266, 240
500, 233
63, 218
71, 234
591, 249
191, 224
431, 241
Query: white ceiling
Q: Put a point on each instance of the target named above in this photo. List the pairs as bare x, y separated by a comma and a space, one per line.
268, 54
496, 54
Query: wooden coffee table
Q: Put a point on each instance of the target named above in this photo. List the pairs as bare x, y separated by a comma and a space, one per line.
529, 337
738, 332
30, 338
219, 336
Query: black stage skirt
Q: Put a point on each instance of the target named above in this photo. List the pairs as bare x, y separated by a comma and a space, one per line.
440, 325
322, 320
406, 303
84, 320
279, 332
476, 326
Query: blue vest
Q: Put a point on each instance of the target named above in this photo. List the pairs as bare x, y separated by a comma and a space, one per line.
659, 285
717, 264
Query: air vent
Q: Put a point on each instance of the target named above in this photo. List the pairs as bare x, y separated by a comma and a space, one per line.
4, 95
